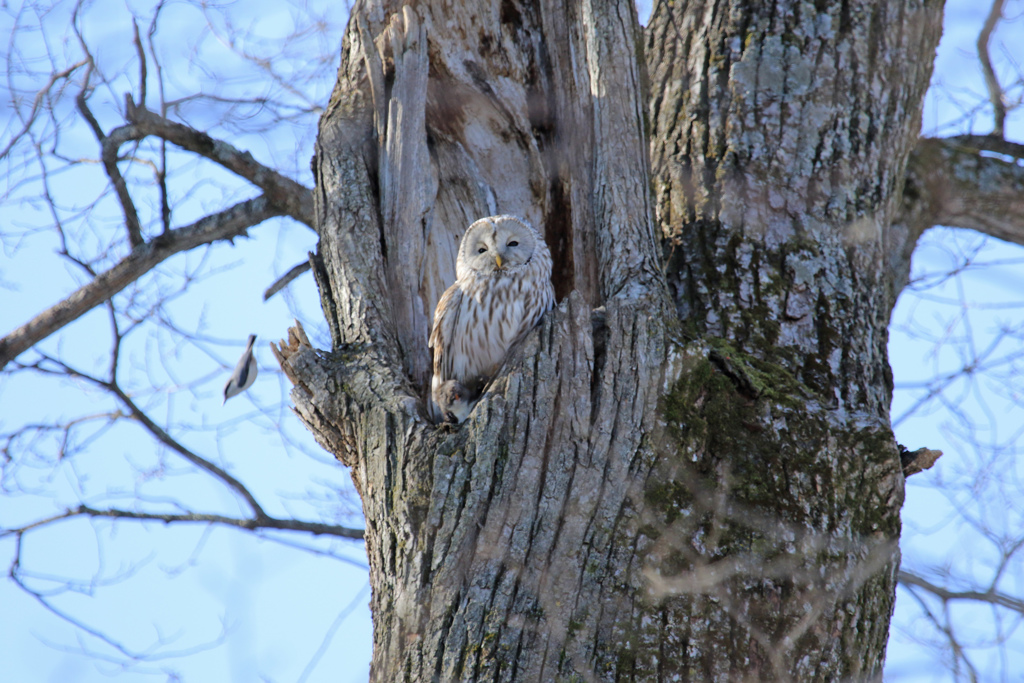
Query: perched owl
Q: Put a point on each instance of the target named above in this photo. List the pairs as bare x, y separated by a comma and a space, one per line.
502, 288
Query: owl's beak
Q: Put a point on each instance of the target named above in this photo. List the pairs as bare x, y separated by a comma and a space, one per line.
497, 260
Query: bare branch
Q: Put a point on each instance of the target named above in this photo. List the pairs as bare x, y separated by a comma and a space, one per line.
137, 42
995, 91
988, 143
992, 597
37, 103
952, 182
329, 635
16, 575
286, 279
917, 461
169, 441
294, 199
249, 524
224, 225
109, 156
260, 519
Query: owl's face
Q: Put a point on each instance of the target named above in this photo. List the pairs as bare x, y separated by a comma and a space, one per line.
497, 244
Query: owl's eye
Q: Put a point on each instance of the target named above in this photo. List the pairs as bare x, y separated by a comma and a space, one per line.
481, 250
513, 243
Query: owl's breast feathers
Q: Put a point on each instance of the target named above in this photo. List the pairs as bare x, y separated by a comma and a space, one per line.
486, 310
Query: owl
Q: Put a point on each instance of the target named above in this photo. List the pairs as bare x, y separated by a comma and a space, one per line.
502, 288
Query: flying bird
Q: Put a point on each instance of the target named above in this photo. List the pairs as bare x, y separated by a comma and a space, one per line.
502, 288
244, 374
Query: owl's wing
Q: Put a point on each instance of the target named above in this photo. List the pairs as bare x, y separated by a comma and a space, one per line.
538, 301
446, 315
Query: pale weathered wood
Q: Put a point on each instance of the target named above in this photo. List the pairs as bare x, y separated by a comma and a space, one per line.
408, 188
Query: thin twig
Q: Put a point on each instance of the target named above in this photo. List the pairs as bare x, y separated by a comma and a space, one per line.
109, 158
286, 279
37, 102
995, 91
247, 523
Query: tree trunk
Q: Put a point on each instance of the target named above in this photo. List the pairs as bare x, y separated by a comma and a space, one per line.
687, 482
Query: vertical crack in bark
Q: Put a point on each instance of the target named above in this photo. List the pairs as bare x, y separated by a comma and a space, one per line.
559, 235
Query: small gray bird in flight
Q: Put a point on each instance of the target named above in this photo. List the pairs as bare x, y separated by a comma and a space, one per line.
244, 374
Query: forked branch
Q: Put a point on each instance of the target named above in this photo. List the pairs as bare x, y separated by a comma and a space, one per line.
293, 199
992, 597
973, 181
224, 225
109, 157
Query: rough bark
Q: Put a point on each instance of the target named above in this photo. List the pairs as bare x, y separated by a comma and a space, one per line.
701, 491
780, 135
